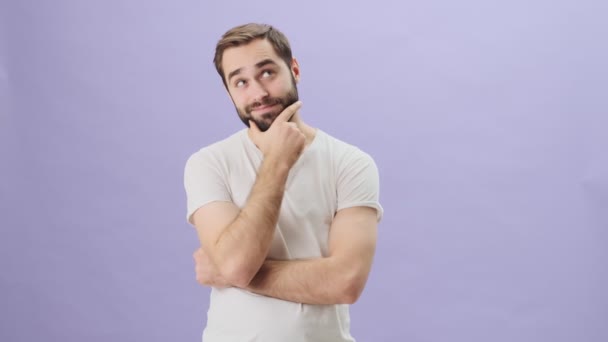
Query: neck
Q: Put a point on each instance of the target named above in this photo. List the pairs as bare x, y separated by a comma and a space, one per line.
309, 132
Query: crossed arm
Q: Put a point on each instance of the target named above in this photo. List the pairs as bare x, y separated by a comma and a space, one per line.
236, 241
338, 278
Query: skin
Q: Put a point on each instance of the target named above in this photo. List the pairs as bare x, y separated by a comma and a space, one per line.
235, 242
254, 88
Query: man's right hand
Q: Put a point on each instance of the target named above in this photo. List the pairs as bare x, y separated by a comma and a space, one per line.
283, 140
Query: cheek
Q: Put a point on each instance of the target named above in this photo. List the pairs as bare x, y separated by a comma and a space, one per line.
238, 100
279, 88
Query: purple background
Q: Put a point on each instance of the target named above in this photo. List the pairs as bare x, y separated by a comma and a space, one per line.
488, 122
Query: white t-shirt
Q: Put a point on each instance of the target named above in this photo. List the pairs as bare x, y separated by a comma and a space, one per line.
329, 175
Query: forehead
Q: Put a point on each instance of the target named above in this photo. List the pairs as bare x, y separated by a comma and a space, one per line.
246, 56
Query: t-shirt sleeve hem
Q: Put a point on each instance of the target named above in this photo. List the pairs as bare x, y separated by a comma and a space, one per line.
371, 204
193, 208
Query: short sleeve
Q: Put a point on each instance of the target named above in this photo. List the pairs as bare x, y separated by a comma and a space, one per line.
204, 181
358, 182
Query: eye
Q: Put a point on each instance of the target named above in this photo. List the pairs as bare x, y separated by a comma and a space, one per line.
239, 83
267, 73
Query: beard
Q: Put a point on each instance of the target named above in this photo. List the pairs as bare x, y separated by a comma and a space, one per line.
265, 120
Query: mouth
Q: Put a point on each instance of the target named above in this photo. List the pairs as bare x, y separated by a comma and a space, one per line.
263, 108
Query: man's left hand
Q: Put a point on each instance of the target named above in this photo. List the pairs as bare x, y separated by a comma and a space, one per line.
207, 273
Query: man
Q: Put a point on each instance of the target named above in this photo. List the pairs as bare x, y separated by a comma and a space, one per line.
286, 214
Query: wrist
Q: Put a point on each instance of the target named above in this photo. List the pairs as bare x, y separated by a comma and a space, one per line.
277, 165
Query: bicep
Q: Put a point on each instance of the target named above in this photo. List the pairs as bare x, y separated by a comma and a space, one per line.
210, 206
358, 183
211, 219
352, 236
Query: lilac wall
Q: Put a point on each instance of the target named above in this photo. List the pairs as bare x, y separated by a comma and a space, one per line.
487, 120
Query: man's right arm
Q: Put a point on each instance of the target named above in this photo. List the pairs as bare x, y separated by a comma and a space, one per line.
237, 240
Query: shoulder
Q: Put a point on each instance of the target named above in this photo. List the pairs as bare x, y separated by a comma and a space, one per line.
343, 153
217, 155
220, 150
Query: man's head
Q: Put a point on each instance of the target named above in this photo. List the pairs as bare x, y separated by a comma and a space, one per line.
259, 72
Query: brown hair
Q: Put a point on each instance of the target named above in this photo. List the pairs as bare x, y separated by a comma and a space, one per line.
245, 34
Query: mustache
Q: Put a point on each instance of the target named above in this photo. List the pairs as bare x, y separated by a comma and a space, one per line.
269, 101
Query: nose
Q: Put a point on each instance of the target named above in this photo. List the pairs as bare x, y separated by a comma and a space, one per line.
258, 91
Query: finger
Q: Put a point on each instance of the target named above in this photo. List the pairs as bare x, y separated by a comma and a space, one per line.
288, 112
294, 125
198, 255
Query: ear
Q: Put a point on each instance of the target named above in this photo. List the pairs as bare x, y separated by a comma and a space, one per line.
295, 69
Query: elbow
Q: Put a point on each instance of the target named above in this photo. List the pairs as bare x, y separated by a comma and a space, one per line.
239, 280
238, 270
239, 274
352, 289
351, 294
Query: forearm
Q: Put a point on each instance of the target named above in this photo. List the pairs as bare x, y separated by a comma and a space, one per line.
242, 247
312, 281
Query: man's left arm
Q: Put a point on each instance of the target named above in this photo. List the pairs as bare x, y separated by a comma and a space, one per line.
338, 278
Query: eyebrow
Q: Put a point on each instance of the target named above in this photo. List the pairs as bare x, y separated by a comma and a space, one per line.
258, 65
